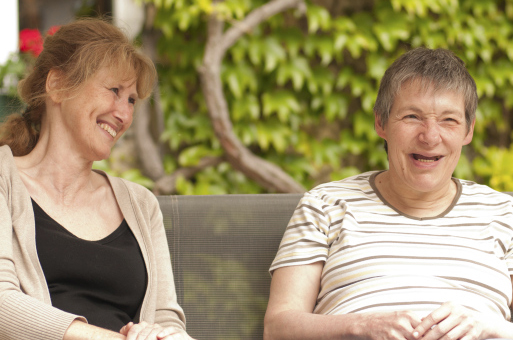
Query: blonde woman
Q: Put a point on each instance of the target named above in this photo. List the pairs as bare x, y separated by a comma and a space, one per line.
83, 255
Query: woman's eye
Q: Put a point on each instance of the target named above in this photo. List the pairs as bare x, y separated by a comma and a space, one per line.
115, 90
131, 101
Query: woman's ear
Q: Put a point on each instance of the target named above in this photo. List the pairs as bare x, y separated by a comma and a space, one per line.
378, 125
53, 85
470, 133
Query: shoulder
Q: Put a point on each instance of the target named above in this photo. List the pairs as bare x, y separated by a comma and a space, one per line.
129, 193
333, 198
478, 192
350, 188
8, 171
135, 188
5, 151
6, 160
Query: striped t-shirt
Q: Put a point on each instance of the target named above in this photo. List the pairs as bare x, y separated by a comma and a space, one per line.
377, 259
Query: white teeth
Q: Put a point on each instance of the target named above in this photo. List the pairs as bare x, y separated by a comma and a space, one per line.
108, 129
429, 160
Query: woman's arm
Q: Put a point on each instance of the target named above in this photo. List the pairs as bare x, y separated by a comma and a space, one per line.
25, 313
290, 315
79, 330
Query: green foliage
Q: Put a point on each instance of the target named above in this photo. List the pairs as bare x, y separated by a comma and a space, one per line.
495, 167
11, 71
301, 88
133, 175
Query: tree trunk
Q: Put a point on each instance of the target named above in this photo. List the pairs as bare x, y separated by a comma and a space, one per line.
268, 175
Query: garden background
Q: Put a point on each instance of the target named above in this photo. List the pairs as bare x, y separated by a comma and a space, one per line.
276, 96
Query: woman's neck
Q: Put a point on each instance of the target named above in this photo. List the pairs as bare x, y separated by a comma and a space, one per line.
56, 173
414, 203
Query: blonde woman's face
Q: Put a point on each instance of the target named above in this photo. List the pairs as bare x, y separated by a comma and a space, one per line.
98, 114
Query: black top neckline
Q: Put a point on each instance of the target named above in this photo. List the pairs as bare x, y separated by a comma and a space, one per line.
123, 227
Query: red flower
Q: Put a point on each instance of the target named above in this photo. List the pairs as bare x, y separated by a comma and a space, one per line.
31, 41
52, 30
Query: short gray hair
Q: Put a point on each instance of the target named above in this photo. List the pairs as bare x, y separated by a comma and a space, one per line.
438, 68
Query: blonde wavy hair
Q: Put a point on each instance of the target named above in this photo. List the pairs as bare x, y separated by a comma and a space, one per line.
77, 50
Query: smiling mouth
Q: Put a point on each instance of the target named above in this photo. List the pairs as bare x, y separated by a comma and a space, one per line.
108, 129
425, 159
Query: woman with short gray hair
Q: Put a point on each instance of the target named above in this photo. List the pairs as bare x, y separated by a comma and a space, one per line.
409, 252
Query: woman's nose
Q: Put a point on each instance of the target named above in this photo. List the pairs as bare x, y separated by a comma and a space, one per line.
430, 133
124, 111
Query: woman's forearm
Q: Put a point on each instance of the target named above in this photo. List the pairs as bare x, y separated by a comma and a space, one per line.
297, 325
79, 330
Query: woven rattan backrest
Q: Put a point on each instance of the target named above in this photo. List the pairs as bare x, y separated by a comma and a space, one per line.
221, 248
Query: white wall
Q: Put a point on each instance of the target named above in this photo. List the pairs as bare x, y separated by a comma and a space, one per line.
129, 16
9, 28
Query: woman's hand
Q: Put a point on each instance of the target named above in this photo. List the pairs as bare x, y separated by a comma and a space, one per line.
146, 331
452, 321
388, 325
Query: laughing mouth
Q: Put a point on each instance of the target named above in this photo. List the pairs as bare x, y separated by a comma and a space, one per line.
425, 159
107, 128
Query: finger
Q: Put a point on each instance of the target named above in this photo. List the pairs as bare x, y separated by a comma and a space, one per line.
460, 331
468, 328
125, 328
451, 325
168, 331
149, 333
415, 321
431, 321
436, 332
176, 336
135, 330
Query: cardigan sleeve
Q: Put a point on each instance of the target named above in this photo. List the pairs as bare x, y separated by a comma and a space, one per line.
22, 316
167, 311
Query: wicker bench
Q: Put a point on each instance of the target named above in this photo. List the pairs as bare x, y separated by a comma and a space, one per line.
221, 248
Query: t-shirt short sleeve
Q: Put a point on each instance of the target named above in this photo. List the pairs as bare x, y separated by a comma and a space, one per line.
306, 238
509, 257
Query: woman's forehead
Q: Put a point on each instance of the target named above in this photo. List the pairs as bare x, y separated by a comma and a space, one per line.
117, 75
422, 84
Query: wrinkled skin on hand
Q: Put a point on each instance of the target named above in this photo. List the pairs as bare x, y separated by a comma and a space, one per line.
146, 331
451, 321
389, 326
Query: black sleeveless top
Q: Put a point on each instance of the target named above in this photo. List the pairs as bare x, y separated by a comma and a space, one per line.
104, 281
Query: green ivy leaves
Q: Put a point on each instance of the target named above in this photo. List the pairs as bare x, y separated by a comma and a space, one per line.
301, 89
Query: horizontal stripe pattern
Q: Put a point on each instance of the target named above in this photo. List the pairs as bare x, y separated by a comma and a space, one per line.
377, 259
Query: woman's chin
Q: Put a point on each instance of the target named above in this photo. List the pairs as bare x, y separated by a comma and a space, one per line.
429, 183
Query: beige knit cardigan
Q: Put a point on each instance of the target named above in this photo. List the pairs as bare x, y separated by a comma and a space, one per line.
25, 306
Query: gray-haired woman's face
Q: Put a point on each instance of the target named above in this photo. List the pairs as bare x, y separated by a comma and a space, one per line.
425, 132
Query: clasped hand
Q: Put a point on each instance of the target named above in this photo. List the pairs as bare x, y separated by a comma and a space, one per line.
448, 322
451, 321
146, 331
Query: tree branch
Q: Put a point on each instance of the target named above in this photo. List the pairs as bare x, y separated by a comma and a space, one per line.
270, 176
147, 149
255, 18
